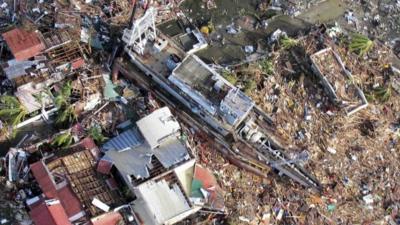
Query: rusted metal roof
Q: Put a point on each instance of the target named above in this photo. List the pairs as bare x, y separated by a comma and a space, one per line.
23, 44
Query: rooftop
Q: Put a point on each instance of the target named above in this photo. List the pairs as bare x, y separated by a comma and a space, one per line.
49, 212
136, 158
73, 180
157, 126
211, 90
159, 201
23, 44
110, 218
68, 199
137, 153
235, 105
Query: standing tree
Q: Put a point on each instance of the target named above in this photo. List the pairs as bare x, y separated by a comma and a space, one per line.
66, 111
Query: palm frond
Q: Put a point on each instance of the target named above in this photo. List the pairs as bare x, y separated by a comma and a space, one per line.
95, 132
66, 90
62, 140
66, 114
360, 44
288, 43
9, 101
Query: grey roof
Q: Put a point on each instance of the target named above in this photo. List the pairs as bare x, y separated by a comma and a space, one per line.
157, 126
16, 68
159, 202
195, 73
134, 161
132, 156
171, 152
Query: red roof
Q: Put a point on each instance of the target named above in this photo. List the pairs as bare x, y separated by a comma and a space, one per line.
23, 44
67, 197
70, 201
104, 166
42, 176
111, 218
49, 214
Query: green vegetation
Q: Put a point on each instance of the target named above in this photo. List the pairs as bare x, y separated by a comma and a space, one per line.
62, 140
288, 43
210, 26
267, 67
249, 86
381, 94
95, 132
11, 110
66, 111
230, 77
66, 115
62, 97
360, 44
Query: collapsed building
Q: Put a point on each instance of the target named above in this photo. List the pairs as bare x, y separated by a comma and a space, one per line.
329, 67
158, 167
227, 111
72, 191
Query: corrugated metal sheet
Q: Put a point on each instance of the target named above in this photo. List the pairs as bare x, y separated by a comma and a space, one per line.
67, 197
131, 162
111, 218
15, 69
133, 157
42, 176
171, 152
104, 166
125, 141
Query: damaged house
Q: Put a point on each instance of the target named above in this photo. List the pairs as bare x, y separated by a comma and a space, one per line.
72, 190
338, 81
156, 166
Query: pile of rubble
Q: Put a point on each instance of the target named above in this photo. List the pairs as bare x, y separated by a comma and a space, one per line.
354, 156
12, 209
376, 18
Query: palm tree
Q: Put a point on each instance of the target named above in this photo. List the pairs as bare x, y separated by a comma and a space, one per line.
66, 111
66, 114
62, 97
39, 97
360, 44
11, 110
97, 135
